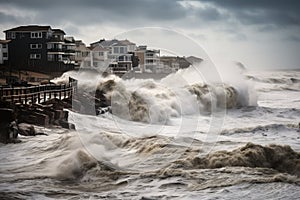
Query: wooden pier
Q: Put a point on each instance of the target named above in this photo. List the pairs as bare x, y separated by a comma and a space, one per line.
38, 94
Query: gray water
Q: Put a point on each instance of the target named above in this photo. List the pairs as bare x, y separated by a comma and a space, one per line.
111, 157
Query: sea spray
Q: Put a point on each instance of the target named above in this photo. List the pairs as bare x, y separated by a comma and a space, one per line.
185, 92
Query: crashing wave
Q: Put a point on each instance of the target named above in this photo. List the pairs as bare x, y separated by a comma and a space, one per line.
223, 96
280, 158
151, 101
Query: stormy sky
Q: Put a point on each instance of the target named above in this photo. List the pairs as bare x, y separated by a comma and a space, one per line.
258, 33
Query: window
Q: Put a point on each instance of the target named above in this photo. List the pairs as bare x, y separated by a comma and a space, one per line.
101, 53
50, 46
149, 54
50, 57
35, 56
149, 61
5, 55
35, 46
69, 47
124, 58
116, 49
85, 53
11, 35
36, 35
4, 46
60, 58
122, 50
60, 37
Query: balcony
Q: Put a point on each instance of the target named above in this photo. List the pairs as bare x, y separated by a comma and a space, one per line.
56, 40
69, 51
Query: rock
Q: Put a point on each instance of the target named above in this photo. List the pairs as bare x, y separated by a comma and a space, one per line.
58, 114
59, 104
26, 129
67, 125
4, 132
7, 115
9, 132
41, 119
8, 127
65, 115
103, 110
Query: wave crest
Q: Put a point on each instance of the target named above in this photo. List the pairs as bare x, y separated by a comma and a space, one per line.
280, 158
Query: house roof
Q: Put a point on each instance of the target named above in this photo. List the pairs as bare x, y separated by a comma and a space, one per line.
58, 31
99, 48
113, 42
82, 48
4, 41
108, 43
103, 42
119, 43
69, 39
127, 42
29, 28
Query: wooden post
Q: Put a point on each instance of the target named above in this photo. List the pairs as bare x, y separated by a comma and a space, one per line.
60, 92
45, 93
12, 95
55, 92
65, 92
50, 92
39, 95
20, 95
25, 95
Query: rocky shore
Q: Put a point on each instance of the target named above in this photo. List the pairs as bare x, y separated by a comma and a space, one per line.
19, 118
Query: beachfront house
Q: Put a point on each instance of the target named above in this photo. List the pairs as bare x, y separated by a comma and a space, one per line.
119, 53
149, 59
40, 48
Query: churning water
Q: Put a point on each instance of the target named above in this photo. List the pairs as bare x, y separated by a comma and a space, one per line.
177, 138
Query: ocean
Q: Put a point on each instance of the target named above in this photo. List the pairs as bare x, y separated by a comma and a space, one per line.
186, 136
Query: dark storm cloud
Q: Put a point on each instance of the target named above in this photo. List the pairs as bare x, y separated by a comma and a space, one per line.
85, 11
5, 18
259, 12
209, 14
137, 12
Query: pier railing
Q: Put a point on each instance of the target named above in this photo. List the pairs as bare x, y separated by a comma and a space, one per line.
38, 94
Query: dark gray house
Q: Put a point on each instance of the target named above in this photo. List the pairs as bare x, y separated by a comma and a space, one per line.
39, 48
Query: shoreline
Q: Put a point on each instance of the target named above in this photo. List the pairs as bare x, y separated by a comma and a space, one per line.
21, 118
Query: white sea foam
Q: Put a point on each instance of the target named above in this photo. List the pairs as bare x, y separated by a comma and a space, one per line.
194, 90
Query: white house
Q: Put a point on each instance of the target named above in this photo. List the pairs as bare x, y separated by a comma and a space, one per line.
149, 59
99, 56
118, 52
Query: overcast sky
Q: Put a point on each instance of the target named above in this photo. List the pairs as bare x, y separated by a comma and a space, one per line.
258, 33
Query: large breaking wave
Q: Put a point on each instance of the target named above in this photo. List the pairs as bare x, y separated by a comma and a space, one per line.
151, 101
